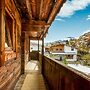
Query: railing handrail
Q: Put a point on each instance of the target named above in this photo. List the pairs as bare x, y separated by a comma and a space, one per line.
81, 74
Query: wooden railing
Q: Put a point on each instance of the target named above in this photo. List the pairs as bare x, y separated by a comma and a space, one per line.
62, 77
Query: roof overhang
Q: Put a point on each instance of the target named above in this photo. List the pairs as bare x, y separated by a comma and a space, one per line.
38, 15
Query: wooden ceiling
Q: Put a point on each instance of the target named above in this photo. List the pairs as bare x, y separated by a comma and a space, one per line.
37, 15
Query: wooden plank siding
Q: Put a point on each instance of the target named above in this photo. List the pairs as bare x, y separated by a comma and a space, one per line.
10, 60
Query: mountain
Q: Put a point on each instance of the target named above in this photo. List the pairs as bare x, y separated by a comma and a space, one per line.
85, 39
56, 43
82, 43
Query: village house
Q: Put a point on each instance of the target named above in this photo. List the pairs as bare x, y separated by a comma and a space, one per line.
61, 52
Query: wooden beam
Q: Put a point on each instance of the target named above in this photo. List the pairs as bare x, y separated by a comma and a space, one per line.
29, 8
31, 29
40, 26
33, 8
37, 8
35, 25
34, 22
55, 10
34, 38
40, 35
41, 7
2, 32
46, 9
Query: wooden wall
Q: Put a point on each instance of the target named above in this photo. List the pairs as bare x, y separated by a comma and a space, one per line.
10, 58
57, 48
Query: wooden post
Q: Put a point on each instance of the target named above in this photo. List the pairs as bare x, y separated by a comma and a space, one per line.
43, 46
13, 36
16, 43
42, 53
38, 49
2, 32
22, 52
29, 49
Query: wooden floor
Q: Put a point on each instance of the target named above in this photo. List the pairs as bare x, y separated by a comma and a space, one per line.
33, 79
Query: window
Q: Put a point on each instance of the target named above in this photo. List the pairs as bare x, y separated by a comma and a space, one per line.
69, 56
60, 49
8, 30
72, 49
57, 49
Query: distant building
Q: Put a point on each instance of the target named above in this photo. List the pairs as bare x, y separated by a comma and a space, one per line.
61, 52
58, 48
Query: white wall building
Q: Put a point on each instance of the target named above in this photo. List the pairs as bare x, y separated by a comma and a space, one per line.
70, 54
70, 51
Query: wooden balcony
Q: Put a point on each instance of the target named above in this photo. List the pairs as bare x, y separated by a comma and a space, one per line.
57, 75
61, 77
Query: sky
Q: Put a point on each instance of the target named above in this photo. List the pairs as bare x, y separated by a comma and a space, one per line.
73, 20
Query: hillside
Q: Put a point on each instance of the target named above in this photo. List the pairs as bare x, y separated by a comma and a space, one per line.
85, 39
82, 43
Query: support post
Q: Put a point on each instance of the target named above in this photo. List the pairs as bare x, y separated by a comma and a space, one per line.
13, 36
42, 53
38, 49
22, 52
43, 47
2, 32
29, 49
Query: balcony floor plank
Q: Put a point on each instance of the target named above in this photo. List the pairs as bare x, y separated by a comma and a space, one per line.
33, 79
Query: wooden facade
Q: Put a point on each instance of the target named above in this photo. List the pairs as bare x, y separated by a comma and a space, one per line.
57, 48
20, 22
10, 32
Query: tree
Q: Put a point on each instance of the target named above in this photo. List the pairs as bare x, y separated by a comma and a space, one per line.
86, 58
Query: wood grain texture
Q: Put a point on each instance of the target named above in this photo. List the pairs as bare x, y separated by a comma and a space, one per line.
38, 10
61, 77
